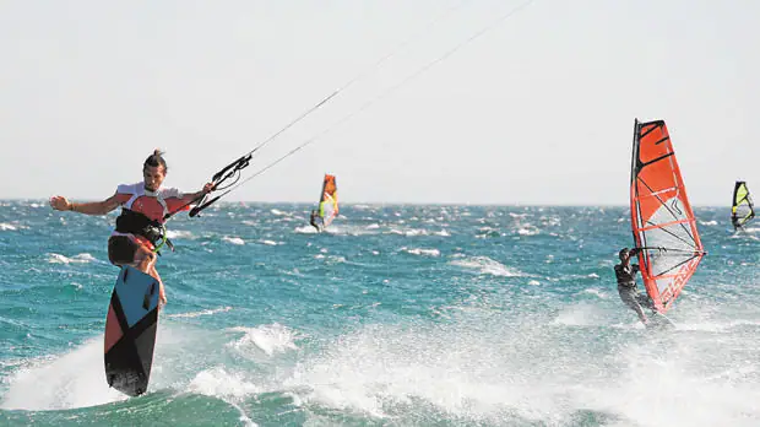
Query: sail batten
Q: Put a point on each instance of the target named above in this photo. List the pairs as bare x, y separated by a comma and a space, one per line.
662, 220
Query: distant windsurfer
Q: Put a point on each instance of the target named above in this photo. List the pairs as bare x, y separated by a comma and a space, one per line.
315, 220
627, 289
140, 230
735, 221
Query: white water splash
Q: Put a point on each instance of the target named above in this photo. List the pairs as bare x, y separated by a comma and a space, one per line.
72, 380
218, 382
306, 229
270, 339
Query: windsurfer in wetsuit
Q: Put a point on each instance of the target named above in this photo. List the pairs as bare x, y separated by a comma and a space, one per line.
315, 220
140, 230
627, 289
735, 220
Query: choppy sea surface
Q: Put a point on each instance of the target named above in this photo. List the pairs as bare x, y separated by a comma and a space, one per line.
396, 316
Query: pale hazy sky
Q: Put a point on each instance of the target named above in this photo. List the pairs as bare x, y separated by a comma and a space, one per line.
538, 110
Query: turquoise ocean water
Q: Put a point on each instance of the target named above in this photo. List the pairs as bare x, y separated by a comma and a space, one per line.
398, 316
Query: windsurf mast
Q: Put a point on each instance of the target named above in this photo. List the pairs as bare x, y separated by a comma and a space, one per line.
662, 220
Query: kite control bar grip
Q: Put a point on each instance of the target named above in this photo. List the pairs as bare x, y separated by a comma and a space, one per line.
237, 165
196, 210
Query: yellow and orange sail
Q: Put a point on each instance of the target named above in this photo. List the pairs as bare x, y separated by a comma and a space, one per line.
328, 201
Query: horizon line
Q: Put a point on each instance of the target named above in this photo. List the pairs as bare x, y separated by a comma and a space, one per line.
394, 203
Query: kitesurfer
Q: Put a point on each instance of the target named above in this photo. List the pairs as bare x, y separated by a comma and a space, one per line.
140, 231
627, 289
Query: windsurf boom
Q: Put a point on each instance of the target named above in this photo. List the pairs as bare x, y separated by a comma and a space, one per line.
328, 200
661, 216
742, 209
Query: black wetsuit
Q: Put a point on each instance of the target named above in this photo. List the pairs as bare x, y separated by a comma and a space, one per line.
314, 221
629, 292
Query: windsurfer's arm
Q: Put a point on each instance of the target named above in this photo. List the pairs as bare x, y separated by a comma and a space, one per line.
60, 203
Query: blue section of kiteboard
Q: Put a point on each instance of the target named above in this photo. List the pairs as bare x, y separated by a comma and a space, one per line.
137, 292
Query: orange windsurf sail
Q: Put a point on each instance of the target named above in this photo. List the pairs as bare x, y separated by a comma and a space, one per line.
663, 221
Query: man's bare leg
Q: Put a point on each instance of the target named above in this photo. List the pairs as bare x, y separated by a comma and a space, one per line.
145, 261
161, 291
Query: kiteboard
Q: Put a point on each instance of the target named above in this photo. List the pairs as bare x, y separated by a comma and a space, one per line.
131, 331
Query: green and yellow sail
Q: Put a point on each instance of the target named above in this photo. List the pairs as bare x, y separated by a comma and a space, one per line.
742, 208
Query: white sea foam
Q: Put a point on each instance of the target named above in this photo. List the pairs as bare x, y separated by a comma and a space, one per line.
199, 313
487, 231
82, 258
422, 251
507, 374
231, 387
486, 265
279, 212
270, 242
527, 230
179, 234
234, 240
409, 232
